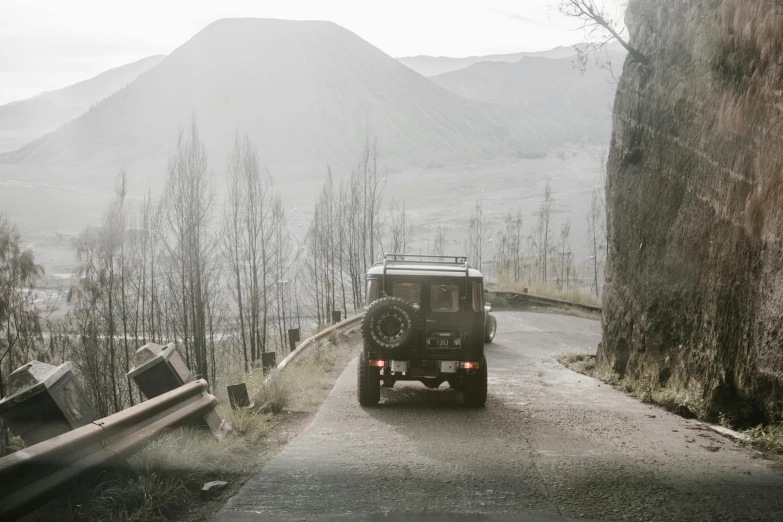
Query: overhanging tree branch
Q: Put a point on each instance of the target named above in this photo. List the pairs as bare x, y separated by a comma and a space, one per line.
596, 19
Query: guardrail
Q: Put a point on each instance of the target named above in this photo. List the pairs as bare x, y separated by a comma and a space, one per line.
518, 299
38, 473
335, 328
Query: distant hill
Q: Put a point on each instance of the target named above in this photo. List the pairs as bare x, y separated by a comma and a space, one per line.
305, 91
581, 102
23, 121
434, 65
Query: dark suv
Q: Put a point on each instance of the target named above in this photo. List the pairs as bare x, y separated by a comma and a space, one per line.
425, 320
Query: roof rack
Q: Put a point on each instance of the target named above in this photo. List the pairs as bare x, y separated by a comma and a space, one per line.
433, 259
436, 264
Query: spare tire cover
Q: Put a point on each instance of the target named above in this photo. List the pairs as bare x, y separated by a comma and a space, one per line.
389, 323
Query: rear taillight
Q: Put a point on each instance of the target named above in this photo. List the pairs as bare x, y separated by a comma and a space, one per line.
378, 364
469, 365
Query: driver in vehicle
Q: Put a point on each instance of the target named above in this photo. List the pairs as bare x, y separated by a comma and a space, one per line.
444, 299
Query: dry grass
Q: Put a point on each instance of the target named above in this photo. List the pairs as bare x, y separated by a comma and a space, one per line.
688, 403
159, 481
768, 439
273, 394
246, 423
313, 374
164, 479
579, 362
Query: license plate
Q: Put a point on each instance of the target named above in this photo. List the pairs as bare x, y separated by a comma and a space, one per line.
444, 343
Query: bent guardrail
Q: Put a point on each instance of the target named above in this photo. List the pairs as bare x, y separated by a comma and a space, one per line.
38, 473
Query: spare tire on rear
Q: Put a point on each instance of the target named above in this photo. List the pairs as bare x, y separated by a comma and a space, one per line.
389, 323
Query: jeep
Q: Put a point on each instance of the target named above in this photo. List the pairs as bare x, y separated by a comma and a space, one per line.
425, 320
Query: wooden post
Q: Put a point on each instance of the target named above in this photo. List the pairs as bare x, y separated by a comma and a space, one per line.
268, 361
293, 338
237, 396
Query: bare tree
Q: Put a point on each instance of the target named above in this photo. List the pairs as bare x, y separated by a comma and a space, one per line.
543, 234
596, 239
602, 22
564, 257
439, 244
101, 306
233, 239
19, 318
401, 230
189, 201
370, 182
478, 235
256, 247
508, 249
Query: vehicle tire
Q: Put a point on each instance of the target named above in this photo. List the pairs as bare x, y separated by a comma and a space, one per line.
389, 323
368, 383
490, 329
475, 389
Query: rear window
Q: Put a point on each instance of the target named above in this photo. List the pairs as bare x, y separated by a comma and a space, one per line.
444, 298
373, 286
478, 297
410, 292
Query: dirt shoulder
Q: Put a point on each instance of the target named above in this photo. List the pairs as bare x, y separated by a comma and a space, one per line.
285, 426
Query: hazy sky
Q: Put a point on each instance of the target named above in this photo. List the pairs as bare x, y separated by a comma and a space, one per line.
48, 44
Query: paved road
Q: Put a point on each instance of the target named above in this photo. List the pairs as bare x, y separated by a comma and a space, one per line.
549, 440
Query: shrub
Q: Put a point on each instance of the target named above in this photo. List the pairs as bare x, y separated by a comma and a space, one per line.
273, 394
767, 438
247, 424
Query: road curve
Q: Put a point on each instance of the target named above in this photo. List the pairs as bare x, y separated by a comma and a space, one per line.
549, 440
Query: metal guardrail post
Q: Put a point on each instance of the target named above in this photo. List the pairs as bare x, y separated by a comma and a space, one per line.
336, 316
159, 369
44, 401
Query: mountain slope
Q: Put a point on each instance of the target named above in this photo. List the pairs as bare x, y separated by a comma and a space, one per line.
581, 102
23, 121
435, 65
304, 91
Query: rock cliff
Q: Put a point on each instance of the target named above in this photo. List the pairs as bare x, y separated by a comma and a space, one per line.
693, 301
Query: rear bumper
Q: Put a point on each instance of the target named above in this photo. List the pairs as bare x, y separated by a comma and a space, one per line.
424, 368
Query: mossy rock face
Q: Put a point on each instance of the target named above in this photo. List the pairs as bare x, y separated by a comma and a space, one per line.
694, 276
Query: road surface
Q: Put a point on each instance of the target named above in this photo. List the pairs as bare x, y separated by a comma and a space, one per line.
549, 440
